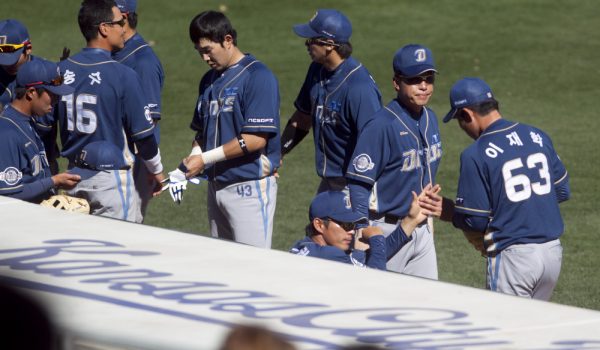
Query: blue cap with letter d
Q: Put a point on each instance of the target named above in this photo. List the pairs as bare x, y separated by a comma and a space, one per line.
333, 205
468, 92
328, 24
412, 60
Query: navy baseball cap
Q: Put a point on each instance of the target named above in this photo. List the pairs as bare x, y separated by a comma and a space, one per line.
45, 74
334, 205
126, 6
12, 32
330, 24
412, 60
468, 92
98, 156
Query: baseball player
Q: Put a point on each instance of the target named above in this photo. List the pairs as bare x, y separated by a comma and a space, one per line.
108, 104
138, 55
337, 99
398, 153
15, 50
331, 232
511, 181
237, 143
24, 169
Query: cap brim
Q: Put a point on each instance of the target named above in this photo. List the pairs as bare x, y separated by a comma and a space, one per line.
450, 115
84, 173
418, 70
60, 89
9, 59
305, 31
349, 216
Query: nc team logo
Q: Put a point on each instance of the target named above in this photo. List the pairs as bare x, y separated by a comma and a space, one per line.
363, 163
11, 176
147, 114
420, 55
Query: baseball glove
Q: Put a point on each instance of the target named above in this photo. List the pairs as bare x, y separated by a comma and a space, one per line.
476, 240
68, 203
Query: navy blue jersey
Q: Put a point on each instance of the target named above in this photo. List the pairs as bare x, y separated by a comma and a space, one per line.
140, 57
108, 103
308, 247
7, 88
509, 174
340, 103
396, 154
22, 156
244, 98
7, 91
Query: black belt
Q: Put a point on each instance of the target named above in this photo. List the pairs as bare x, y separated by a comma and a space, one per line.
390, 218
387, 218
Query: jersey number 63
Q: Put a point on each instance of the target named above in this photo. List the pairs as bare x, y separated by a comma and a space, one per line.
519, 187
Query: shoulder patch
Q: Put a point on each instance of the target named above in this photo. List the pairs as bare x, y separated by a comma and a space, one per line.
362, 163
11, 176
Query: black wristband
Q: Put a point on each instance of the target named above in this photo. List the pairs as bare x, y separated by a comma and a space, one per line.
291, 137
242, 144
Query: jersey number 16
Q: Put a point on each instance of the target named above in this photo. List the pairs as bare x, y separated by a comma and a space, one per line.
78, 117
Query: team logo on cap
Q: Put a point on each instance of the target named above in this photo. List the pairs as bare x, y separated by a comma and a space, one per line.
2, 39
363, 163
420, 55
11, 176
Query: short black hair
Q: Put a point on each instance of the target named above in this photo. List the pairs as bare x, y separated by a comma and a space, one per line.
485, 107
132, 19
91, 14
344, 50
212, 25
21, 91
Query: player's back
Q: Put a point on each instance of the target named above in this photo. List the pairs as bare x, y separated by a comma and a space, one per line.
102, 107
521, 169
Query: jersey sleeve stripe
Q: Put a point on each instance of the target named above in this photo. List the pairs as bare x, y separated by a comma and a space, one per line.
363, 177
471, 210
561, 179
143, 131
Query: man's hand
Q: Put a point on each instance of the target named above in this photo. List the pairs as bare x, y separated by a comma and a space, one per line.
65, 180
431, 201
156, 181
194, 164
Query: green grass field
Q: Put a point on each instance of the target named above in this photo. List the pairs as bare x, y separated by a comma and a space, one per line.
540, 57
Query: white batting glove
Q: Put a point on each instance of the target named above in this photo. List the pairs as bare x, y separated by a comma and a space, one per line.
177, 183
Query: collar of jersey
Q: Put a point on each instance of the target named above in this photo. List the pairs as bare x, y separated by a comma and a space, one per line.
498, 125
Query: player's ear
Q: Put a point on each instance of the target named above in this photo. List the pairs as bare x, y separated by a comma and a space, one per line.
227, 41
396, 82
467, 115
318, 225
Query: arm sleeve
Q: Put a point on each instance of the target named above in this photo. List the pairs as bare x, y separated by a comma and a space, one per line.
563, 190
376, 255
364, 101
359, 197
152, 76
147, 147
137, 115
261, 103
395, 241
33, 190
470, 223
473, 195
303, 103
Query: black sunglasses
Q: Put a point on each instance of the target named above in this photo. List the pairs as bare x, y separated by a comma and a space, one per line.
346, 226
120, 22
319, 41
429, 79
